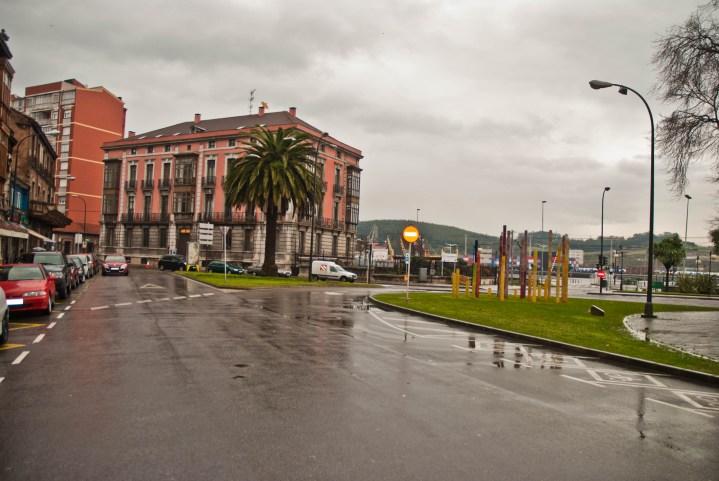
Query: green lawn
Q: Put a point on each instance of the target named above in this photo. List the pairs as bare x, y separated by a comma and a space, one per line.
569, 322
244, 281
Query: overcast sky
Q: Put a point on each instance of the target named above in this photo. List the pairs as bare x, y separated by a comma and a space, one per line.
473, 111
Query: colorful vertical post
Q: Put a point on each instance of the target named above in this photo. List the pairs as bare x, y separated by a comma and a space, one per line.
565, 268
502, 279
534, 276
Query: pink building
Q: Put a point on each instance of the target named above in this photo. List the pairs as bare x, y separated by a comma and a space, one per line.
158, 186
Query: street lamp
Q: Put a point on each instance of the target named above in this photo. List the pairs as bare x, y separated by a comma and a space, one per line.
686, 229
314, 203
601, 242
84, 219
542, 260
623, 89
418, 217
16, 159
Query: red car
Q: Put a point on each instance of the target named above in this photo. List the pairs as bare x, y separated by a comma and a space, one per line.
28, 287
115, 265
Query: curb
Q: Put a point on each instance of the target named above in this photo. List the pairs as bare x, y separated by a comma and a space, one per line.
705, 378
656, 297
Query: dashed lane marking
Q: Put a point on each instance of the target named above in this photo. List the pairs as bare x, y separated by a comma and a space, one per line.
177, 298
38, 338
680, 407
207, 294
123, 304
195, 295
8, 346
73, 302
1, 379
68, 308
19, 359
144, 302
60, 316
163, 299
98, 308
51, 325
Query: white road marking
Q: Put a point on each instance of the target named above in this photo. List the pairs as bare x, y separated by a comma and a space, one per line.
38, 338
163, 299
195, 295
686, 398
388, 324
333, 293
654, 380
206, 294
19, 359
151, 286
1, 379
97, 308
68, 308
177, 298
680, 407
582, 380
145, 301
60, 316
123, 304
51, 325
73, 302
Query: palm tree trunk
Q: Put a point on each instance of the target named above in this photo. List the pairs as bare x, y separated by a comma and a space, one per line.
269, 267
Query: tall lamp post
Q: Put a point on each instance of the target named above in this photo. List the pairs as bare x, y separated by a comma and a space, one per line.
314, 204
84, 218
542, 260
601, 242
623, 89
686, 230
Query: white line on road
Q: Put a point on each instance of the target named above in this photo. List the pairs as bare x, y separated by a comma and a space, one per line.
73, 302
177, 298
38, 338
195, 295
163, 299
1, 379
388, 324
19, 359
97, 308
68, 308
680, 407
123, 304
60, 316
206, 294
582, 380
145, 301
51, 325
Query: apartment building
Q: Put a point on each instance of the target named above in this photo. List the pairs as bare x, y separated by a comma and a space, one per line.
7, 73
159, 185
78, 120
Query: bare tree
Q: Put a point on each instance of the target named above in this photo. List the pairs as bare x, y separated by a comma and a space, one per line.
687, 59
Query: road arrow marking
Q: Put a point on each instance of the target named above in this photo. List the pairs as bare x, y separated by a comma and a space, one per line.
152, 286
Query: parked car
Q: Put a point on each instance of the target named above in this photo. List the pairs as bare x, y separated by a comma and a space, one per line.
94, 263
219, 266
27, 287
57, 265
257, 271
87, 262
115, 265
83, 268
172, 262
5, 323
332, 271
74, 273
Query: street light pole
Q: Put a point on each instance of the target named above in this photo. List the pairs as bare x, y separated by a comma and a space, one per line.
543, 202
84, 218
686, 230
418, 217
623, 89
601, 242
314, 204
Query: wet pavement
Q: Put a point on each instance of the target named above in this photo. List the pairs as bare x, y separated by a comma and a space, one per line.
696, 332
156, 377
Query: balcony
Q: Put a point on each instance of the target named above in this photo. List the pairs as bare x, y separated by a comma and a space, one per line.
148, 184
164, 184
230, 217
144, 218
184, 217
131, 185
184, 181
109, 217
339, 190
331, 223
209, 181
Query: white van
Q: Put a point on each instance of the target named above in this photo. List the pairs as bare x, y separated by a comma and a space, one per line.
332, 271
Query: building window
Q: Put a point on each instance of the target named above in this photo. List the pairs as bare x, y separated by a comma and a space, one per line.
167, 148
130, 204
163, 205
133, 173
133, 151
67, 114
336, 211
166, 167
339, 154
231, 143
163, 237
128, 237
189, 146
65, 148
147, 206
146, 237
210, 168
247, 245
148, 172
53, 115
211, 144
208, 204
110, 236
184, 202
150, 149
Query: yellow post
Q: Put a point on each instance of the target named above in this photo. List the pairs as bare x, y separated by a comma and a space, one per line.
534, 277
489, 291
558, 289
548, 281
501, 278
466, 286
454, 284
565, 269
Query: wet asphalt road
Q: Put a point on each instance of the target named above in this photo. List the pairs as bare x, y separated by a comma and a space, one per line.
154, 377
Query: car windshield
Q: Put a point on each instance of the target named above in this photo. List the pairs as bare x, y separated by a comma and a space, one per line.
114, 259
77, 261
49, 258
16, 273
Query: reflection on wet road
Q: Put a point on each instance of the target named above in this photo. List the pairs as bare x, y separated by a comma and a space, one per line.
155, 377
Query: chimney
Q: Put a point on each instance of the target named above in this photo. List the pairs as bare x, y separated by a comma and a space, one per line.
198, 117
130, 133
261, 110
293, 111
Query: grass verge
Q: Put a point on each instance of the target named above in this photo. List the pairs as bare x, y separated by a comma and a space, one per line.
569, 322
259, 282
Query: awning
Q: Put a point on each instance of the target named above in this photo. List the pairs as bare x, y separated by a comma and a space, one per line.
38, 235
13, 233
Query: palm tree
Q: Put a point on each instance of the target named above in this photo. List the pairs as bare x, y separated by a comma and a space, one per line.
276, 172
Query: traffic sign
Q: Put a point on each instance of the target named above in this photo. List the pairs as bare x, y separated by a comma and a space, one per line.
206, 233
601, 274
410, 234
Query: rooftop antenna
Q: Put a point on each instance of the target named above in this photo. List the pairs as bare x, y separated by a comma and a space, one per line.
252, 99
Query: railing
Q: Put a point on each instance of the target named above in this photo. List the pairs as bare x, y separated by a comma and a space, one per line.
184, 216
331, 223
144, 218
148, 184
339, 189
40, 169
164, 184
209, 181
131, 184
230, 217
109, 217
111, 184
181, 181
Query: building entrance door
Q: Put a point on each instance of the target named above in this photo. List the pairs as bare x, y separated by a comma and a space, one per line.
183, 237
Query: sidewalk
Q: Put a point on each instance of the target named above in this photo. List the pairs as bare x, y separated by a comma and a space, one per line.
695, 332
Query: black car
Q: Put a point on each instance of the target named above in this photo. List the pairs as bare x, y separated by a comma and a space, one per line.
172, 263
219, 266
57, 265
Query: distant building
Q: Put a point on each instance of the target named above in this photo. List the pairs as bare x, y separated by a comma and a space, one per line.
7, 75
83, 119
159, 185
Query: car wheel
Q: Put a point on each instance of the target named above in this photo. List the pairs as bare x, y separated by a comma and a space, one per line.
343, 279
5, 329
